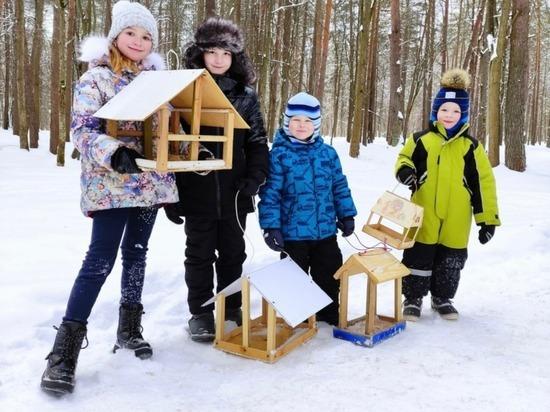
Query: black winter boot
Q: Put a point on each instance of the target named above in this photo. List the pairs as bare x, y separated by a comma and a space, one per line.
129, 331
445, 308
58, 378
234, 315
412, 307
202, 327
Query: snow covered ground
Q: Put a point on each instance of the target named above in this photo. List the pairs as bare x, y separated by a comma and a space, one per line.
494, 358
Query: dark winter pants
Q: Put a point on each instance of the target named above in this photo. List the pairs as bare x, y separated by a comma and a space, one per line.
205, 236
434, 268
321, 258
107, 231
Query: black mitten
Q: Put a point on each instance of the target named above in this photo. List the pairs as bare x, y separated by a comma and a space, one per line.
123, 160
171, 211
486, 232
346, 225
407, 176
274, 239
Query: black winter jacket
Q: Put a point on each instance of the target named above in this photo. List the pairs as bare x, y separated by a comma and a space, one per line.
213, 195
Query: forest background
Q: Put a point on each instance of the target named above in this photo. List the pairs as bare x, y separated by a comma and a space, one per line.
374, 64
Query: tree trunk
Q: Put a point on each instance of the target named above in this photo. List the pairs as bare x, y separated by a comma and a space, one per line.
371, 109
395, 116
107, 23
62, 85
315, 59
69, 66
360, 73
494, 122
210, 8
35, 73
324, 52
534, 136
516, 90
428, 66
274, 78
444, 30
55, 78
7, 75
489, 29
352, 64
21, 61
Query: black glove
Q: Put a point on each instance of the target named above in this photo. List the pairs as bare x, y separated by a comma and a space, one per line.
407, 176
172, 213
346, 225
486, 232
274, 239
248, 186
123, 160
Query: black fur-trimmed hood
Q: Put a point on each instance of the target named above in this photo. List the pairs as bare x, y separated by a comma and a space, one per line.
218, 32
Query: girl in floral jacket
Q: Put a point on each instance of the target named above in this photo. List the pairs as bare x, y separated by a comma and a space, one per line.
116, 194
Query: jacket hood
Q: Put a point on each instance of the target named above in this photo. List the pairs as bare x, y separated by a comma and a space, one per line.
95, 51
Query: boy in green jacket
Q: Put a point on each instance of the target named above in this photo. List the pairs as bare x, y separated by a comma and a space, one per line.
451, 178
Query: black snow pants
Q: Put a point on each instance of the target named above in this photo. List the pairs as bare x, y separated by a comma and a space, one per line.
205, 237
320, 258
434, 268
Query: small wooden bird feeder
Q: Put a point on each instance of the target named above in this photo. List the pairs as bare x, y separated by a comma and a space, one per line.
380, 266
290, 300
159, 99
400, 212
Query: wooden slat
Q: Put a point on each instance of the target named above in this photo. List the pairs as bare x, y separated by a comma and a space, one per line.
271, 329
112, 128
196, 116
295, 342
162, 144
246, 310
196, 138
228, 145
174, 129
264, 311
397, 304
220, 317
187, 110
344, 296
148, 138
371, 307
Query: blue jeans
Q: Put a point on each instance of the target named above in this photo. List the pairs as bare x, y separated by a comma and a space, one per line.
107, 231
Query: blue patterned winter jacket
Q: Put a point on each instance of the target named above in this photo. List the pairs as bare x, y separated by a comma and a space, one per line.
306, 191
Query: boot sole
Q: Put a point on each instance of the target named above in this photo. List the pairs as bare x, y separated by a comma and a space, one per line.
142, 353
56, 388
449, 316
411, 318
206, 338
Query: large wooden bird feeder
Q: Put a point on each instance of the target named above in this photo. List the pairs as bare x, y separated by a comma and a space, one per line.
173, 94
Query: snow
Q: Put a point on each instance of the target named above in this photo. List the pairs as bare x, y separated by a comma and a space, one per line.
495, 357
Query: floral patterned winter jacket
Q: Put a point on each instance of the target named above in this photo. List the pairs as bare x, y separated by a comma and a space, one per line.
102, 187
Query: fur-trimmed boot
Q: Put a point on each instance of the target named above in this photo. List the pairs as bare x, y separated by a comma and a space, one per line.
129, 331
58, 378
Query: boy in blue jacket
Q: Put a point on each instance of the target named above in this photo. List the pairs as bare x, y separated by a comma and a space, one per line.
306, 198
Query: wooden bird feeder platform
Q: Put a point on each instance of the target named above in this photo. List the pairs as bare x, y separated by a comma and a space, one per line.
401, 212
173, 94
290, 300
266, 338
380, 266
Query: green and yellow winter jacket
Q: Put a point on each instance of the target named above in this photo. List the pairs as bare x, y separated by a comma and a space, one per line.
455, 180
